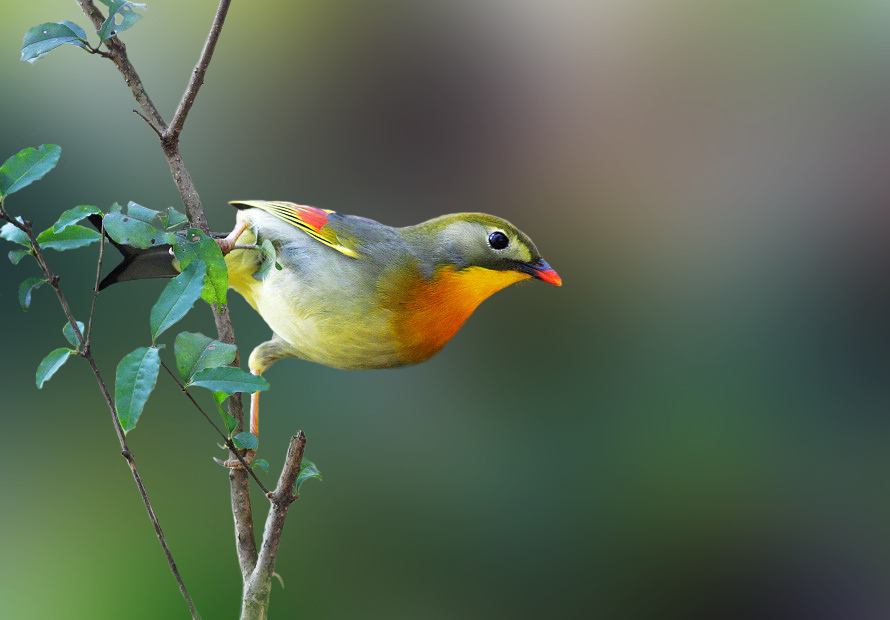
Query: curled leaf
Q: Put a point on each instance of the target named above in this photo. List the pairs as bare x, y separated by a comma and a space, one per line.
69, 334
50, 364
74, 215
44, 38
26, 166
26, 288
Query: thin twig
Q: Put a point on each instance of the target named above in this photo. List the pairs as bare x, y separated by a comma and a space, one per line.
89, 334
150, 124
198, 73
231, 446
53, 279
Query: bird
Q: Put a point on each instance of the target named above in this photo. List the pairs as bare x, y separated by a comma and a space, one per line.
352, 293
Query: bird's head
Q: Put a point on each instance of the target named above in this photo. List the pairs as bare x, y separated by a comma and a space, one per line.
479, 240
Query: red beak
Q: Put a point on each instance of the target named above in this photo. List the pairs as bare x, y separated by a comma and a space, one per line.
541, 270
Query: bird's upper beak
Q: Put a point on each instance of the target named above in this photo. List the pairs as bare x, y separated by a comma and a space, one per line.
541, 270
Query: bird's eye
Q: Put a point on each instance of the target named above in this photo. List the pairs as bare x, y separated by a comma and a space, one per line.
498, 240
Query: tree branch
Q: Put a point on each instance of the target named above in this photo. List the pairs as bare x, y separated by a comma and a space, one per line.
198, 73
239, 485
53, 279
257, 568
258, 586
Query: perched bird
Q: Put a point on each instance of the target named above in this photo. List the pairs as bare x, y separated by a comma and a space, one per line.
355, 293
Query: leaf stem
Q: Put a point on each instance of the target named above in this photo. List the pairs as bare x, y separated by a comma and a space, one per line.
225, 438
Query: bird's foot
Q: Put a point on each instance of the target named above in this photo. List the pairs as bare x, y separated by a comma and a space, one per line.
235, 463
225, 245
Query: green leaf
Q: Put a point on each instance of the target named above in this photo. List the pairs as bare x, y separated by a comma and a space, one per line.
121, 16
74, 215
172, 219
69, 334
15, 234
196, 352
16, 256
246, 441
307, 470
194, 244
26, 288
136, 228
268, 261
229, 380
177, 299
46, 37
50, 364
228, 419
73, 236
27, 166
261, 464
137, 374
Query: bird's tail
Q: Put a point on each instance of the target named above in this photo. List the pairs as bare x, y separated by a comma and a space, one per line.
156, 262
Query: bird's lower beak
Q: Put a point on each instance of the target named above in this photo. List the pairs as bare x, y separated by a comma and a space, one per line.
541, 270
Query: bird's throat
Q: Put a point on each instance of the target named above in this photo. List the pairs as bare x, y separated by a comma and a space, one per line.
433, 310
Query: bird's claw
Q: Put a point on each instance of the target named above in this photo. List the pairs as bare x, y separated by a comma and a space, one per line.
225, 245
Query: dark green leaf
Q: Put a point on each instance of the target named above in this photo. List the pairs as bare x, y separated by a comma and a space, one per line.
15, 234
27, 166
74, 215
26, 288
74, 236
172, 219
137, 374
46, 37
121, 16
268, 260
177, 299
194, 244
229, 380
16, 256
246, 441
307, 470
261, 464
136, 228
196, 352
69, 334
228, 419
50, 364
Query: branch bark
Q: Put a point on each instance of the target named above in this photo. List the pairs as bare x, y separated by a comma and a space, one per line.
238, 481
84, 352
257, 566
258, 585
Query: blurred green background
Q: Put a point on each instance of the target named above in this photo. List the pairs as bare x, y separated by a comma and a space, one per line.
694, 426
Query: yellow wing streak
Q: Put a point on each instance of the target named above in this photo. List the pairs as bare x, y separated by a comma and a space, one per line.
310, 220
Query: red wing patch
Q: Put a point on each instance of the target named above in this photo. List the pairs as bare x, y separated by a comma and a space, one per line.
314, 217
311, 220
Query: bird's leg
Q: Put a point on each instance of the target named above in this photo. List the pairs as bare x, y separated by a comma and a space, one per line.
228, 243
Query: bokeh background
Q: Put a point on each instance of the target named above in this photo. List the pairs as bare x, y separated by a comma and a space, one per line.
695, 426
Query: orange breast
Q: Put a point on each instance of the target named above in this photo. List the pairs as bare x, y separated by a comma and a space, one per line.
432, 311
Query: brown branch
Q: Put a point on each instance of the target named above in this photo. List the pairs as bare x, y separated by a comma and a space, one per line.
53, 279
259, 584
239, 485
198, 73
117, 53
257, 568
